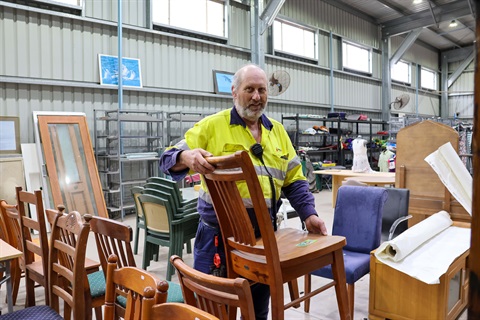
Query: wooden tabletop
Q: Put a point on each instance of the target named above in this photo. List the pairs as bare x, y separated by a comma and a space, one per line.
7, 252
350, 173
374, 180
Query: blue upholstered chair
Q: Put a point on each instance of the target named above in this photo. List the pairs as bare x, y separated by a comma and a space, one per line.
358, 217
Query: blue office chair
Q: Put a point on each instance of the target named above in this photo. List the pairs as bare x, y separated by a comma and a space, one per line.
358, 217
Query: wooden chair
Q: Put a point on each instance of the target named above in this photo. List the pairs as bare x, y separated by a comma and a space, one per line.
164, 230
132, 285
66, 282
276, 257
218, 296
114, 238
12, 233
177, 311
36, 271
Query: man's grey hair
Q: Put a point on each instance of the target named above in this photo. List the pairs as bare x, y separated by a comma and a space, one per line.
238, 77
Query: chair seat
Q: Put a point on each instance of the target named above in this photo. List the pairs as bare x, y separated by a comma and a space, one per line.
356, 266
34, 313
295, 245
96, 281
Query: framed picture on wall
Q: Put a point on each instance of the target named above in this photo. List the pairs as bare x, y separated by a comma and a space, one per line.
222, 82
131, 71
9, 135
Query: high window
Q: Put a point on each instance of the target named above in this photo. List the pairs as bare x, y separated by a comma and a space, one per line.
428, 79
356, 57
206, 16
294, 39
401, 72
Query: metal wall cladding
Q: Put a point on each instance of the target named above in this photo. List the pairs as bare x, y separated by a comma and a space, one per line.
462, 105
326, 17
416, 53
49, 62
424, 103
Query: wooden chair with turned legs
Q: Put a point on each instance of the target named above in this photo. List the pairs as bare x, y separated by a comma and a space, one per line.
136, 287
36, 271
114, 238
67, 282
276, 257
216, 295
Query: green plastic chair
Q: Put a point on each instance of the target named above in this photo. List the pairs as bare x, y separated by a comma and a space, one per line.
139, 220
176, 190
163, 229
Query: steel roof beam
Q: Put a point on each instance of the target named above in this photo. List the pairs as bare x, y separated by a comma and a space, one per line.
446, 12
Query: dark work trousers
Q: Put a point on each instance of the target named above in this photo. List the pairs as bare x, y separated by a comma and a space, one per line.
203, 253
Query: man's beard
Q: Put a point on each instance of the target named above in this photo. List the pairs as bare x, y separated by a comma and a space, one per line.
248, 114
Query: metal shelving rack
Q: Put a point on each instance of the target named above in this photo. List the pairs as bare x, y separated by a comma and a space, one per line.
366, 128
127, 146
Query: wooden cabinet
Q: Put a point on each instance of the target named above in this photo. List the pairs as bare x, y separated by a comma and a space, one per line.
396, 295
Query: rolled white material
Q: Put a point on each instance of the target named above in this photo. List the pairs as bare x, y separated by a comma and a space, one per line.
453, 174
400, 247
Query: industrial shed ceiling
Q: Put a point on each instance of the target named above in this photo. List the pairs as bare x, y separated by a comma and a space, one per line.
398, 17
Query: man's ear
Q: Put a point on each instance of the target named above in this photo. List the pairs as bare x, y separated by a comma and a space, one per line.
234, 93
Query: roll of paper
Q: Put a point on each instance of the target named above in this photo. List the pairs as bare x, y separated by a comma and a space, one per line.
453, 174
400, 247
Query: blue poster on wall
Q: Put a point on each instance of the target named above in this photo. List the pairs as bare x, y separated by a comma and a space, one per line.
222, 82
131, 71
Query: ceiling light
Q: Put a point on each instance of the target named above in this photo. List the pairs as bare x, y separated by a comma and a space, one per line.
453, 24
417, 1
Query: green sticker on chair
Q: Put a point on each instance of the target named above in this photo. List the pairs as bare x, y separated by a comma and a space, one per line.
306, 243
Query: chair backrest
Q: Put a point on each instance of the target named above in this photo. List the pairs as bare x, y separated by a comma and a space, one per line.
11, 225
395, 207
140, 289
158, 213
178, 311
165, 195
358, 217
136, 191
28, 224
218, 296
113, 237
167, 188
237, 229
67, 274
168, 183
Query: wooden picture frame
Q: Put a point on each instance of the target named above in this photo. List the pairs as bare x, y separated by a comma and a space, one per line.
9, 135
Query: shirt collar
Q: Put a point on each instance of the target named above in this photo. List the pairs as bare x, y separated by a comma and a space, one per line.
236, 119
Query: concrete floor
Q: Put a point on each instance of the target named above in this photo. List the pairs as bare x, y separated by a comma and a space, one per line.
323, 306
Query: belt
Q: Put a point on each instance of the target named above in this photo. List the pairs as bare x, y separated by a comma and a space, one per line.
210, 225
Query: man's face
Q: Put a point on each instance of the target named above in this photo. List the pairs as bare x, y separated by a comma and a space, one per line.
251, 95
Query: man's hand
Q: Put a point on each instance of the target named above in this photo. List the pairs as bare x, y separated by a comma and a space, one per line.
315, 225
195, 160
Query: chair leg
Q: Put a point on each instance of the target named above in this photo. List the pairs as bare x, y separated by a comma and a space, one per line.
146, 254
294, 292
351, 297
338, 270
30, 291
277, 301
307, 289
98, 313
189, 246
135, 243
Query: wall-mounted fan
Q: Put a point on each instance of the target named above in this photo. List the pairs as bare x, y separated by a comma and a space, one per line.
278, 82
400, 102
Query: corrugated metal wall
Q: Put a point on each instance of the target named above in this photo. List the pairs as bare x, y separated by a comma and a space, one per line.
460, 98
49, 61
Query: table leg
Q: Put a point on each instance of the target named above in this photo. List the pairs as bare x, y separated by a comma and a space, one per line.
9, 286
